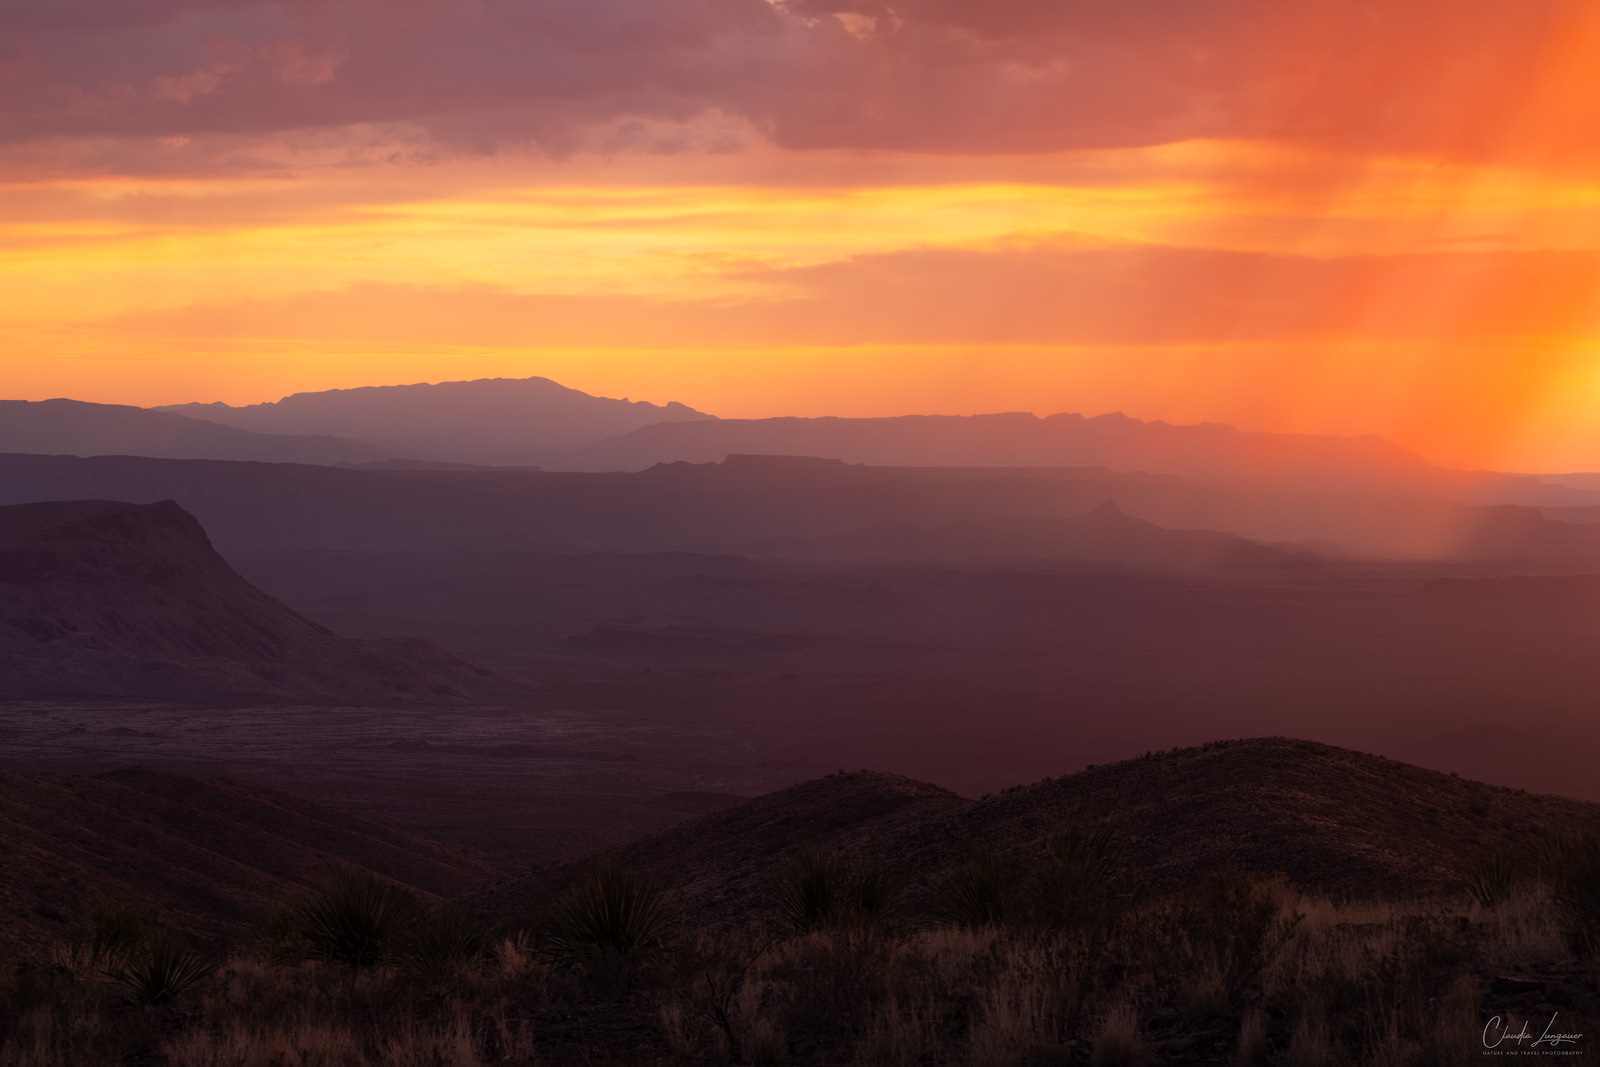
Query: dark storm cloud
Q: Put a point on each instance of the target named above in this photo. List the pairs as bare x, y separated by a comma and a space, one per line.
923, 75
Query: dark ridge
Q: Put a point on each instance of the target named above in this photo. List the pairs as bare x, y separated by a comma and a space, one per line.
1330, 820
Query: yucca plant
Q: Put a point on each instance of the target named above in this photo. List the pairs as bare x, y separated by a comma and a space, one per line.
442, 943
357, 920
872, 890
819, 889
613, 909
809, 894
1082, 870
158, 971
1493, 880
978, 893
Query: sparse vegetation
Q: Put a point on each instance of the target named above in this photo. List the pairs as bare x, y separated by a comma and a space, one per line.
1081, 873
1236, 971
1571, 866
444, 943
159, 970
357, 921
979, 893
117, 927
612, 909
818, 890
1493, 880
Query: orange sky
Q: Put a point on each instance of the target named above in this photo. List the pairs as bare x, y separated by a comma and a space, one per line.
1300, 215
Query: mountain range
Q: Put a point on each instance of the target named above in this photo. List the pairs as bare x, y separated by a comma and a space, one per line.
492, 421
773, 505
535, 422
74, 428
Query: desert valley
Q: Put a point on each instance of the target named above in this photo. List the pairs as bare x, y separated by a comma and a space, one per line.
902, 533
970, 720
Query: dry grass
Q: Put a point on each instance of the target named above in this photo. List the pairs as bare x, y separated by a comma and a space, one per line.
1241, 973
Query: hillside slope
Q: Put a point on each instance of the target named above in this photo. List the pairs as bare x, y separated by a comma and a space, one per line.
209, 854
1329, 819
99, 598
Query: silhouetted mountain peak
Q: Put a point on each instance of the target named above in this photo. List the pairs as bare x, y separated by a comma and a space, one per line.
1109, 512
494, 421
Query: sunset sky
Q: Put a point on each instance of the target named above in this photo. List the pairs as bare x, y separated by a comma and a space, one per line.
1314, 215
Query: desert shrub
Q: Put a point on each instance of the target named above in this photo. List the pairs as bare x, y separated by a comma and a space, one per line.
1082, 871
159, 970
1311, 1043
1228, 927
612, 909
872, 889
357, 920
1119, 1042
442, 943
117, 928
809, 894
1571, 865
766, 1043
818, 889
1254, 1048
276, 934
1493, 880
977, 894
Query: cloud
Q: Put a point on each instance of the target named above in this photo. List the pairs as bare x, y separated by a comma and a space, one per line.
294, 62
950, 76
183, 88
1052, 293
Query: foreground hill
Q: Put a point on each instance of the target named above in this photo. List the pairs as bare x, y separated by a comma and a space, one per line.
1329, 819
490, 420
210, 854
74, 428
99, 598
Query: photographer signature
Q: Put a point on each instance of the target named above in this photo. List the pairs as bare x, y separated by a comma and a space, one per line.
1495, 1032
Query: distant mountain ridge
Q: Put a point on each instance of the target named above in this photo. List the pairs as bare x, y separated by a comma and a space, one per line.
492, 421
536, 422
101, 598
737, 506
76, 428
1104, 535
1203, 452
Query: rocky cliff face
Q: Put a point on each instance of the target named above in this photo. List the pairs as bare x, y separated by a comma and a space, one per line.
99, 598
